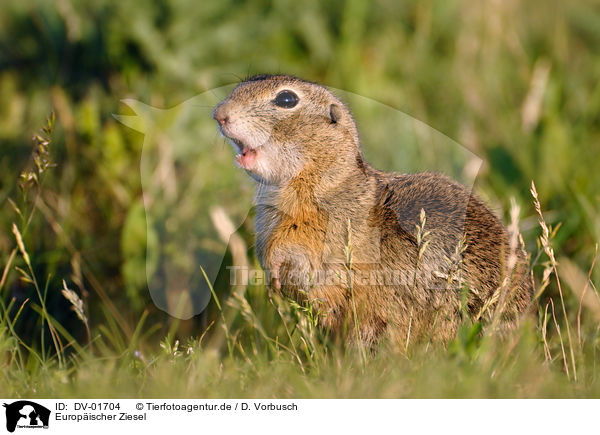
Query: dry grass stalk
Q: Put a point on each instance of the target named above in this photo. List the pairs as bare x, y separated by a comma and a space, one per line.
545, 239
348, 267
532, 106
593, 306
77, 307
547, 353
507, 287
31, 278
227, 233
562, 343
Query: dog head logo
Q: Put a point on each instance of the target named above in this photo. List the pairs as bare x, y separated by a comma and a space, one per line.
26, 414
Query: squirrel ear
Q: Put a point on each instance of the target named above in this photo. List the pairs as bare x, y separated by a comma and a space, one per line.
335, 113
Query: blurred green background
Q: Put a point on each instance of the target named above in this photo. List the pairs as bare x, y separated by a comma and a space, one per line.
515, 82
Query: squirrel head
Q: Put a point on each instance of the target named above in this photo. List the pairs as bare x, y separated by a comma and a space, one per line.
282, 126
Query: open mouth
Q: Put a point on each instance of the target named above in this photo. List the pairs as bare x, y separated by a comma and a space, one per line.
246, 156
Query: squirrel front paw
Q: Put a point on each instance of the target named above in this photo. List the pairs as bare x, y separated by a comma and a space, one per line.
273, 274
289, 266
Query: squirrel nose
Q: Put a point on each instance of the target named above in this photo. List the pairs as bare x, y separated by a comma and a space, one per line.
219, 115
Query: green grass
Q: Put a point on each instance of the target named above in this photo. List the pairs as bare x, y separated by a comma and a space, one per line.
273, 348
515, 83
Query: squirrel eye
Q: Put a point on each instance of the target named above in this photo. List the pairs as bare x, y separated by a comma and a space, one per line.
286, 99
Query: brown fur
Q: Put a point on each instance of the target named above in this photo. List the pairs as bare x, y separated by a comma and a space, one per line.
317, 196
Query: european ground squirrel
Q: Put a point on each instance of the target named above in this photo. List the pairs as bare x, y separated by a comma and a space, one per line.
400, 255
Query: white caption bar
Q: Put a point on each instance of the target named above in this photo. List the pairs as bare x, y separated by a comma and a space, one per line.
45, 416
